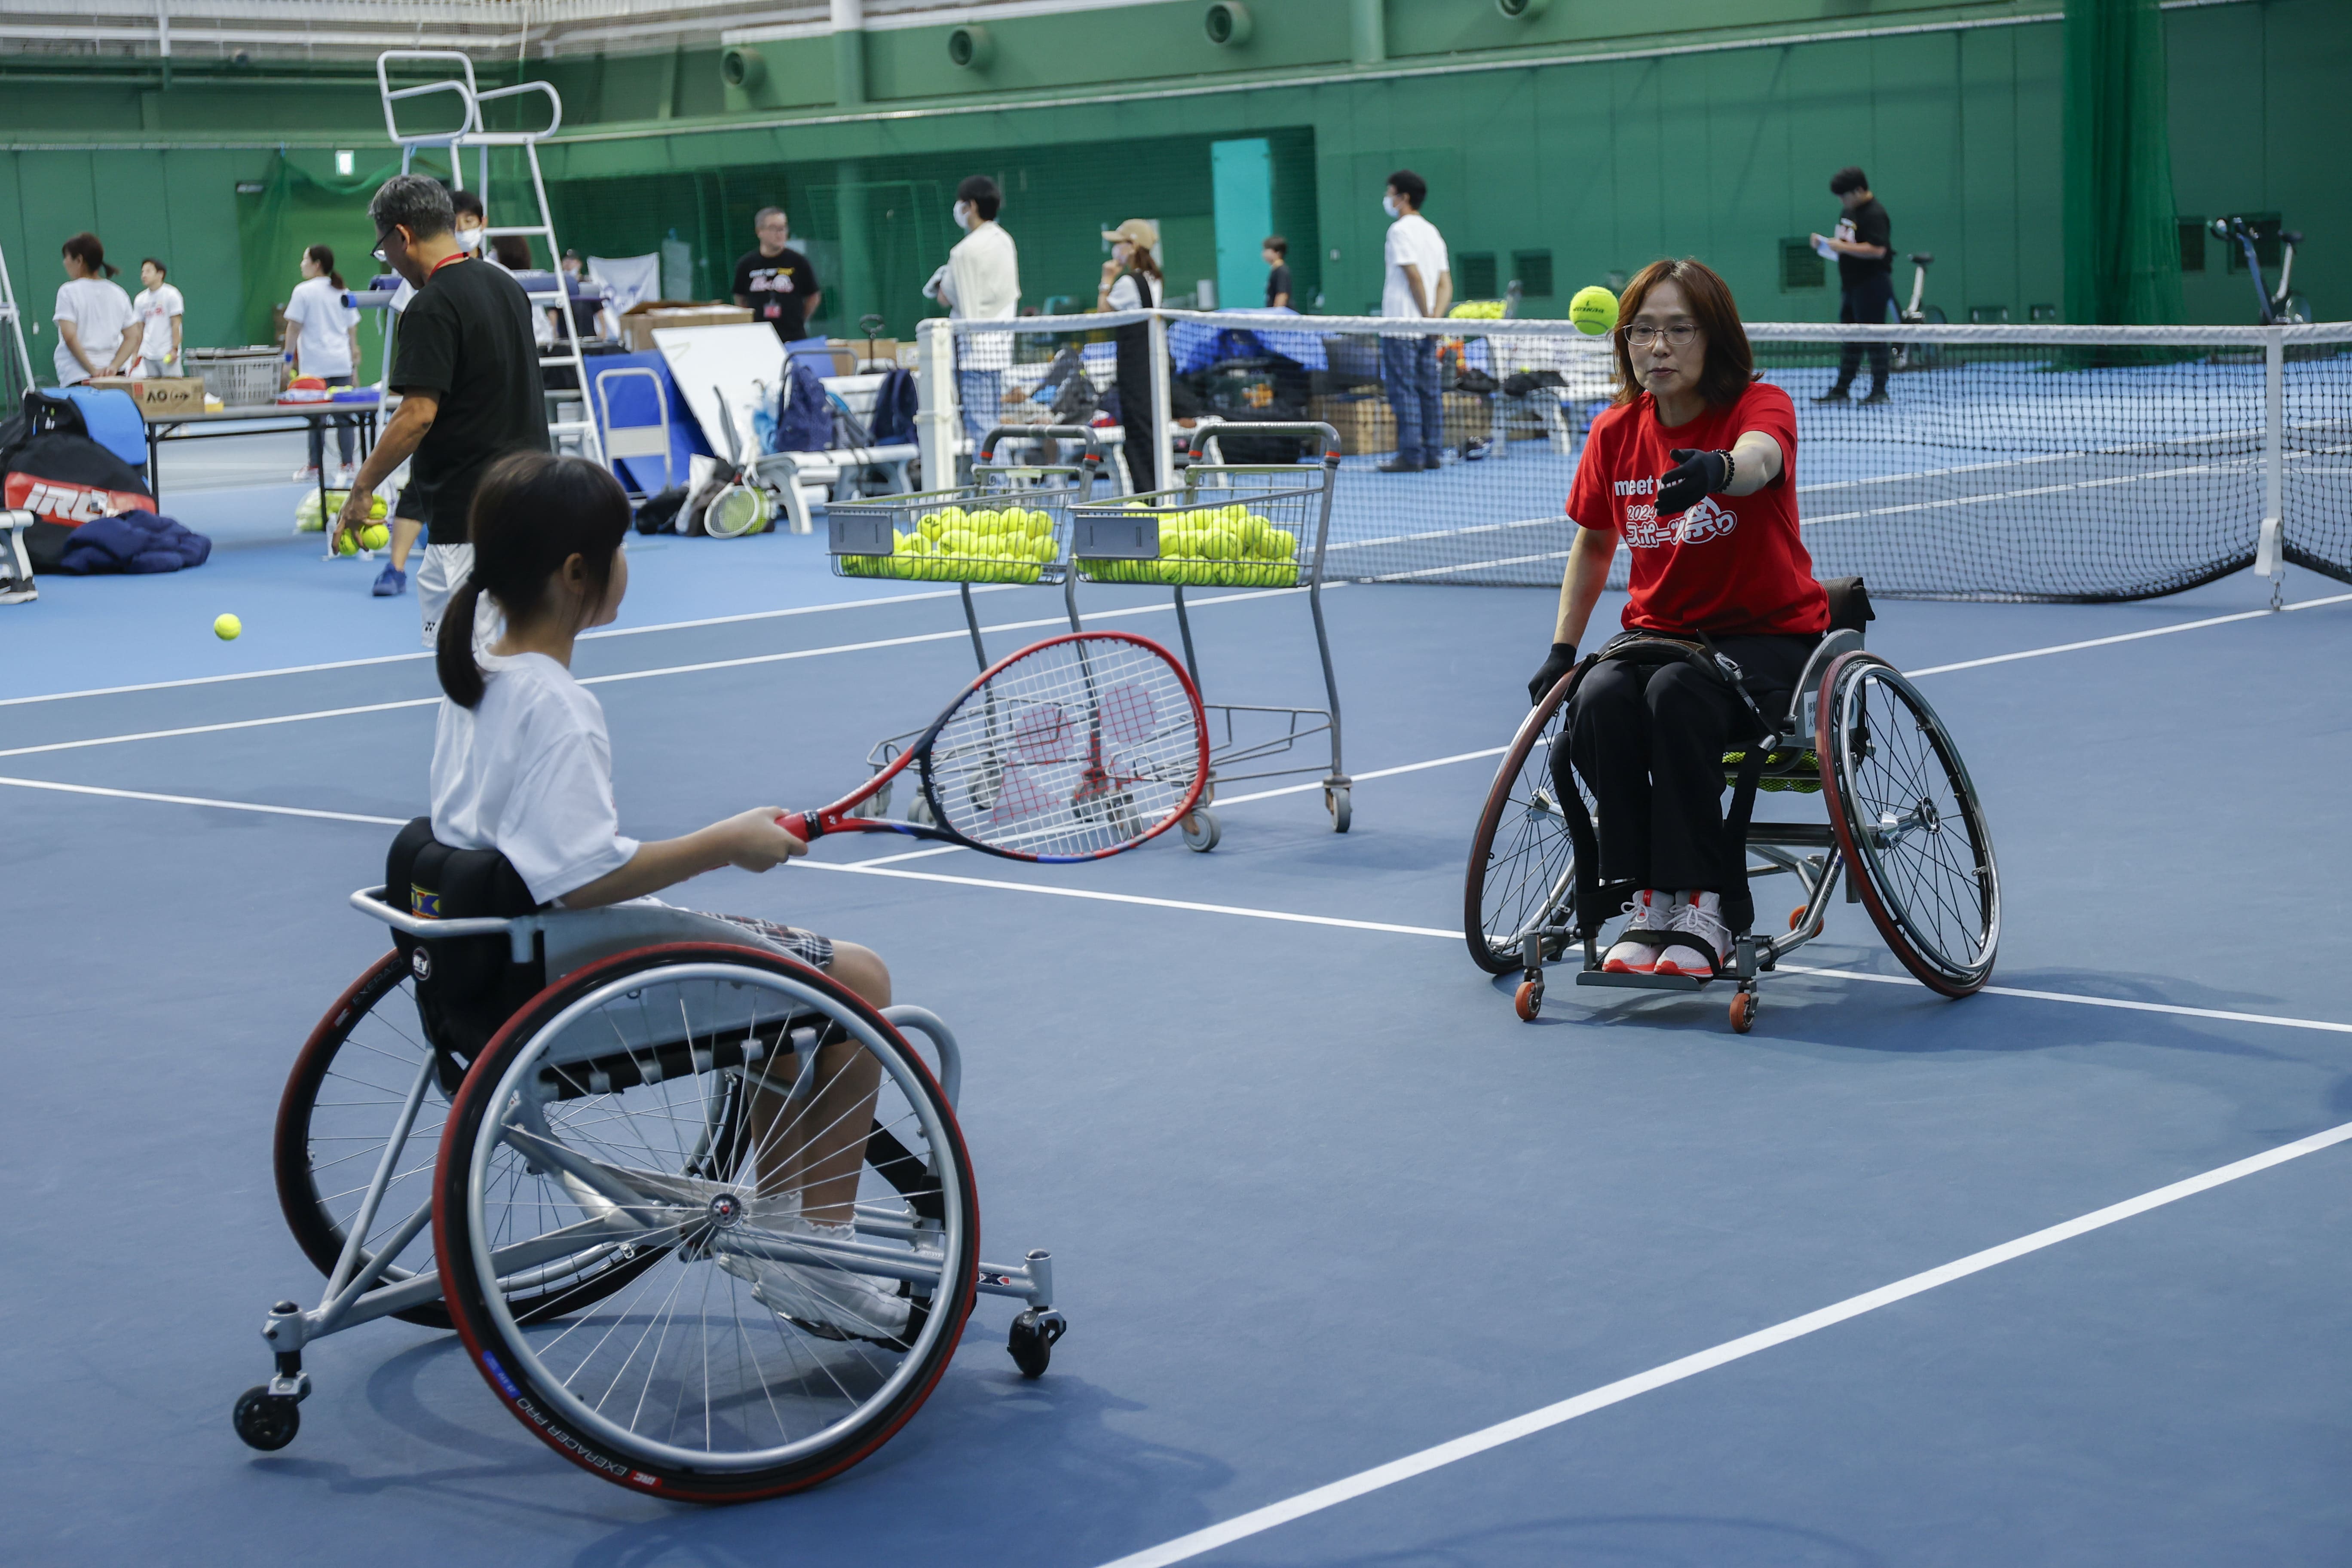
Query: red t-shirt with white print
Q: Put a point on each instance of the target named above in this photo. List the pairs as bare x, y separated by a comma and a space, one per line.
1731, 566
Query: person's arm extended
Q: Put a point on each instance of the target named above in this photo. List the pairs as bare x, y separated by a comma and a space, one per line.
1756, 462
1580, 584
1851, 246
398, 443
750, 839
1753, 462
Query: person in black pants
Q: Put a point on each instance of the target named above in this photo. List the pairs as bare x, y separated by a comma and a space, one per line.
1131, 282
1693, 466
1865, 253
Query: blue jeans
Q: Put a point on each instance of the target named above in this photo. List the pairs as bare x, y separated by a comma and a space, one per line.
981, 394
1409, 372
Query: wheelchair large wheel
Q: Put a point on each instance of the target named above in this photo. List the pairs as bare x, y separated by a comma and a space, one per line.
1522, 875
342, 1104
794, 1172
1909, 824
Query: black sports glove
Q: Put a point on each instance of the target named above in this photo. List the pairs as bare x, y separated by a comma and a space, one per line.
1561, 659
1694, 474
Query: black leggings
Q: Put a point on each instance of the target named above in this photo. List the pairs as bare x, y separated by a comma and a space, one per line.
1650, 742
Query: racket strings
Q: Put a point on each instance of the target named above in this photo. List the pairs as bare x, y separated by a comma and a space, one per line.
1080, 747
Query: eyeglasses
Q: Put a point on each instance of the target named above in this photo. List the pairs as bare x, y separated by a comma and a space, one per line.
1677, 336
380, 239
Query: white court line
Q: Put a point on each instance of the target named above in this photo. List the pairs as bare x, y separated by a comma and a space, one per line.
878, 867
2127, 637
412, 657
962, 633
1259, 1521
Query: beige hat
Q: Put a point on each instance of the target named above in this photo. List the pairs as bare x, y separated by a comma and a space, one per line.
1140, 232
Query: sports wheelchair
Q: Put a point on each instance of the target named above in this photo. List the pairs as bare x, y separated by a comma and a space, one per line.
1904, 829
590, 1141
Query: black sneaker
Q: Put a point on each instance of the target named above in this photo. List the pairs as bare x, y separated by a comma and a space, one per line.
1877, 394
1834, 395
1401, 465
1475, 450
1433, 461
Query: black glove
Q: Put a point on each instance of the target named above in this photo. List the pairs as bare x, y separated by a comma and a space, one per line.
1694, 474
1561, 659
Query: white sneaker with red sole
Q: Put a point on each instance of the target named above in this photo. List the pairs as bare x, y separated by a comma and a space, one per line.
1699, 916
1649, 911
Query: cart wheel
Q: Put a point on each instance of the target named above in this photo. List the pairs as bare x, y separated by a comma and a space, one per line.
264, 1420
1031, 1343
1796, 916
1336, 801
1529, 1000
919, 810
1202, 830
1743, 1011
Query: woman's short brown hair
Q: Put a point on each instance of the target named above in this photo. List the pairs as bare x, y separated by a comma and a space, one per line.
1730, 362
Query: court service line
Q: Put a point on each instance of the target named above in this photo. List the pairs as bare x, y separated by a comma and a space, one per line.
1259, 1521
412, 657
877, 869
957, 634
2128, 636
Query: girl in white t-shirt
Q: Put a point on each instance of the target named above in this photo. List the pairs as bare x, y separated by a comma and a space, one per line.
322, 339
159, 309
521, 763
93, 315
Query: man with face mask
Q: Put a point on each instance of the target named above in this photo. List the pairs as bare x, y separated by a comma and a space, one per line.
1419, 284
981, 282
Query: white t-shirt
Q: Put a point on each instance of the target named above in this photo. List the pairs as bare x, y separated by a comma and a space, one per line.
1124, 296
324, 347
155, 308
984, 275
528, 773
1413, 240
101, 312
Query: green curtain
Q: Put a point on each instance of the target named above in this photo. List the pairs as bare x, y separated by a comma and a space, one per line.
2123, 249
293, 210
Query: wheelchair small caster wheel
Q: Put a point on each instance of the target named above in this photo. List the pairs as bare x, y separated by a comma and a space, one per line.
1743, 1011
1338, 801
919, 810
1527, 1001
1202, 830
266, 1421
1796, 916
1034, 1334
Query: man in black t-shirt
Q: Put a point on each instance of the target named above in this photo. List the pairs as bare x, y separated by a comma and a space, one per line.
778, 282
1866, 251
1277, 252
466, 365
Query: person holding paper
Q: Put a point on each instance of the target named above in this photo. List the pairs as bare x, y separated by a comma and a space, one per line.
1865, 247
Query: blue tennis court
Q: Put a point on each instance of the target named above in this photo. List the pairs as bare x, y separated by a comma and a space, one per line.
1318, 1203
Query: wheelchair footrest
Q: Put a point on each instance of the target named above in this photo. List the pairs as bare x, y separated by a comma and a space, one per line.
1641, 981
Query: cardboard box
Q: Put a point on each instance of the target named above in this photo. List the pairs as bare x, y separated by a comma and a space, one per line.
159, 397
640, 321
1368, 425
885, 350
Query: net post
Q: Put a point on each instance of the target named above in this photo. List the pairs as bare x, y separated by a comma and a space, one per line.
1163, 462
935, 401
2268, 553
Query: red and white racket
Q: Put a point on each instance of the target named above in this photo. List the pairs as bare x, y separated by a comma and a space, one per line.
1072, 749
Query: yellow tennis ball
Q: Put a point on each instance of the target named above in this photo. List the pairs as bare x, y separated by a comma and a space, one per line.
1593, 309
227, 627
374, 536
347, 543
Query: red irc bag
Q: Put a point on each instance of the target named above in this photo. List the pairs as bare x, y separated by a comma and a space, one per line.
50, 467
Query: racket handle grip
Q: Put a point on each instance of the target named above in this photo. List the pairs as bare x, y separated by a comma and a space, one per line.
803, 826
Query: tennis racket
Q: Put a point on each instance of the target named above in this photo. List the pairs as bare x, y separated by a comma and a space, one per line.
1072, 749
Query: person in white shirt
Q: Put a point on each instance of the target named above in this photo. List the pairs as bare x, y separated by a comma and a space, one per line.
158, 308
93, 315
1418, 284
523, 765
981, 282
1131, 282
322, 339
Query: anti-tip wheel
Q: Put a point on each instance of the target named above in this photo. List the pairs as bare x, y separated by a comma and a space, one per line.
919, 810
1796, 916
1202, 830
1743, 1011
264, 1420
1031, 1342
1338, 801
1527, 1001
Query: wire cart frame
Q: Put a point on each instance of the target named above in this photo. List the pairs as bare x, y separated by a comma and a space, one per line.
1247, 525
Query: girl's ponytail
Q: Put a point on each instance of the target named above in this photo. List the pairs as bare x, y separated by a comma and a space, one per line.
323, 257
453, 647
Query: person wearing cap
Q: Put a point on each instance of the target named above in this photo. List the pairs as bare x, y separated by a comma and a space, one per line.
1131, 280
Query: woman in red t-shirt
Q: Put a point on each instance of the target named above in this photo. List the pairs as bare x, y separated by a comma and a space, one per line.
1695, 466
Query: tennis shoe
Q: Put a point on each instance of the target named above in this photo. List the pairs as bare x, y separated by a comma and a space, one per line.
1834, 395
390, 582
1698, 916
1648, 912
830, 1302
306, 476
1399, 464
1877, 394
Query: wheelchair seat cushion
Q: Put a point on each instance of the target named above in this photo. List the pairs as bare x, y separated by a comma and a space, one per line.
465, 986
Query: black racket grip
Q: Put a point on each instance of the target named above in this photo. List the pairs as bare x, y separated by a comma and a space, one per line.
806, 825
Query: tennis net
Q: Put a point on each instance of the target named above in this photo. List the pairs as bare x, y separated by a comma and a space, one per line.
2007, 462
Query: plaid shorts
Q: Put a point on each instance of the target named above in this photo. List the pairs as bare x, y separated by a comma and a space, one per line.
810, 948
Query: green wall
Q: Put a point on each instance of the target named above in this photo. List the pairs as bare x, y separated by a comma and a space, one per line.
1091, 117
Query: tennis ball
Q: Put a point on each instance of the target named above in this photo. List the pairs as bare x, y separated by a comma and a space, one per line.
374, 536
929, 525
1221, 544
228, 628
347, 543
1593, 309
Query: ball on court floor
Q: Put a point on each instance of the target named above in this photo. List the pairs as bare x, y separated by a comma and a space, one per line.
374, 536
227, 627
1593, 309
